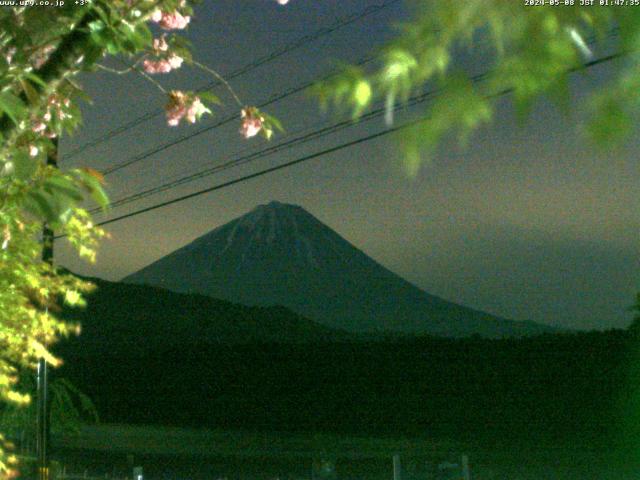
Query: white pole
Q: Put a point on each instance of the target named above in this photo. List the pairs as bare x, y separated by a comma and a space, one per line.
465, 468
397, 469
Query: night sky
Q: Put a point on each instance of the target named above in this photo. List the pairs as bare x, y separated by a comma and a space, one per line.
530, 222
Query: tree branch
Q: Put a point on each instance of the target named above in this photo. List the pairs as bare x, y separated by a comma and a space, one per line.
70, 55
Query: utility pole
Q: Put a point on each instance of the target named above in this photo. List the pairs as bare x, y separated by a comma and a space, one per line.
42, 439
466, 474
397, 468
43, 424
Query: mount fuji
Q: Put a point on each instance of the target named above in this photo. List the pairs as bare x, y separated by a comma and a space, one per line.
280, 254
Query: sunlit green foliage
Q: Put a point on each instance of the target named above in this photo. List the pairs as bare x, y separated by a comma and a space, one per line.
70, 409
509, 47
41, 51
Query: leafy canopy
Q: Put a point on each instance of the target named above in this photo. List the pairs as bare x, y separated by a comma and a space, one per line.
42, 51
510, 48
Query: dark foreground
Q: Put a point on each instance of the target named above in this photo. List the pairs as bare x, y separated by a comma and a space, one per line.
553, 406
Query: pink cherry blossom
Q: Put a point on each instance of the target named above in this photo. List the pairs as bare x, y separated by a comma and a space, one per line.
39, 127
175, 61
183, 106
177, 108
156, 15
164, 65
156, 66
160, 44
170, 21
41, 56
175, 114
251, 122
195, 110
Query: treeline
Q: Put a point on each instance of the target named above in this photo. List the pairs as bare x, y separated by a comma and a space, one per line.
546, 388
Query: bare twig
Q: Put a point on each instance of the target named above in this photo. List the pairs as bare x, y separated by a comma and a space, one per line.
221, 78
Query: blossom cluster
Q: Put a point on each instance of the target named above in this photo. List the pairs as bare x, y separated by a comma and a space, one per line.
40, 57
163, 65
166, 61
252, 122
170, 20
183, 106
55, 109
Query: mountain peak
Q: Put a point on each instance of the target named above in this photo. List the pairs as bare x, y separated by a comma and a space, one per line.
276, 205
280, 254
275, 221
276, 209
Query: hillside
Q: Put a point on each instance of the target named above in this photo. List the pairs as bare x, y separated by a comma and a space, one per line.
121, 317
280, 254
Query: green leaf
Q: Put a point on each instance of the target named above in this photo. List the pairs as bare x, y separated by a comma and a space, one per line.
35, 79
610, 122
92, 181
12, 106
179, 42
60, 185
104, 15
72, 297
32, 94
4, 65
362, 93
104, 37
41, 205
144, 34
24, 165
113, 46
66, 215
74, 91
100, 197
92, 54
209, 97
272, 122
361, 97
339, 88
134, 38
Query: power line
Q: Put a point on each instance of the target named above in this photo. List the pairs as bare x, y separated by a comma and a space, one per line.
300, 42
230, 118
316, 154
257, 174
415, 100
220, 123
316, 134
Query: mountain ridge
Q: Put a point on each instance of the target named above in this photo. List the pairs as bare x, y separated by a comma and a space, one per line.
280, 254
122, 316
